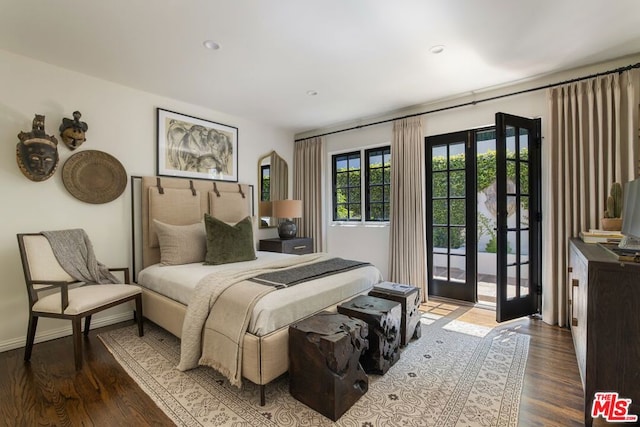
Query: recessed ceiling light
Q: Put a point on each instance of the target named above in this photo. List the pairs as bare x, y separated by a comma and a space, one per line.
312, 92
439, 48
210, 44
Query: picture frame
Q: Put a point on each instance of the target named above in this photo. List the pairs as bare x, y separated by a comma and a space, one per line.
190, 147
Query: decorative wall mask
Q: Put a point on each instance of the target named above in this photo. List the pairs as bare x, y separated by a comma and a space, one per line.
72, 131
37, 152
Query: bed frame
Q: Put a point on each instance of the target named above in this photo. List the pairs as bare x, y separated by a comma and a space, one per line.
174, 201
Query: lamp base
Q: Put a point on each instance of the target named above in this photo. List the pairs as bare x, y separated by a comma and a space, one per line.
287, 229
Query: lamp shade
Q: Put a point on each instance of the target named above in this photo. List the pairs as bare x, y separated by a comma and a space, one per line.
265, 208
286, 208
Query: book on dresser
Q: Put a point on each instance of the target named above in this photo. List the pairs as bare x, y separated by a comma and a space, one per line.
600, 236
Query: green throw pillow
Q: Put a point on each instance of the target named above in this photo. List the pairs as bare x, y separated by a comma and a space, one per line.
228, 243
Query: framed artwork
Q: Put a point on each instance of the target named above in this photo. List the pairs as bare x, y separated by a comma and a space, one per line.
189, 147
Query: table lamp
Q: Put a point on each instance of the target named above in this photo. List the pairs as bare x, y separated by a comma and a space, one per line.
287, 209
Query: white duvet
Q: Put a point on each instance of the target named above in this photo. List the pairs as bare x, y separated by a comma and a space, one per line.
274, 310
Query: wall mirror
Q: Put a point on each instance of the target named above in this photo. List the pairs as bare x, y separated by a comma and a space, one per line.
273, 182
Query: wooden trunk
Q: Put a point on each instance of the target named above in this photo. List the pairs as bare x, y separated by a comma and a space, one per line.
409, 299
383, 317
324, 368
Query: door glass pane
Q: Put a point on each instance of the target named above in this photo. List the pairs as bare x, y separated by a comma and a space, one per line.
524, 144
457, 211
440, 266
511, 209
458, 270
524, 246
524, 178
524, 212
456, 156
511, 142
511, 176
440, 238
440, 212
457, 237
440, 184
512, 245
439, 158
458, 182
524, 280
511, 282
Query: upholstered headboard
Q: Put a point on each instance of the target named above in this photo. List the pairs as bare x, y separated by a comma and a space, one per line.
181, 201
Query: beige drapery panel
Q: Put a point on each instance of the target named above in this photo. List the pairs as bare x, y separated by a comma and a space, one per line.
407, 243
593, 141
279, 179
308, 165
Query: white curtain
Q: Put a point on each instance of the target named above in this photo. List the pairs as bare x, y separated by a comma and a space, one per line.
593, 141
308, 158
407, 241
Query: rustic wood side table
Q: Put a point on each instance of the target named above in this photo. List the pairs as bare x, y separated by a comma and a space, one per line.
409, 298
324, 368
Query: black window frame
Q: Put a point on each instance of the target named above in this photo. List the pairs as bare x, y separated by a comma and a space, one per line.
364, 187
334, 176
369, 186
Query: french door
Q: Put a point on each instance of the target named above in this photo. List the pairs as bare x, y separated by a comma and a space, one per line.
518, 216
451, 216
483, 215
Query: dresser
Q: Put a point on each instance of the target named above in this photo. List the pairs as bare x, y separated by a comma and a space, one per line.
297, 245
604, 310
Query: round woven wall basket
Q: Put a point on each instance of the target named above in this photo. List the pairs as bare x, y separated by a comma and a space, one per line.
94, 176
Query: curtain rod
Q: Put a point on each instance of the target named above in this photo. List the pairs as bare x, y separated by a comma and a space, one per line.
493, 98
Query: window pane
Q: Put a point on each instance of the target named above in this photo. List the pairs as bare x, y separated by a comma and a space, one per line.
341, 164
376, 194
375, 176
354, 179
342, 212
457, 181
355, 211
456, 156
524, 144
440, 267
377, 212
354, 163
458, 268
341, 196
375, 158
387, 158
354, 195
439, 158
511, 282
524, 280
440, 237
511, 142
457, 238
524, 178
440, 185
440, 212
387, 213
457, 216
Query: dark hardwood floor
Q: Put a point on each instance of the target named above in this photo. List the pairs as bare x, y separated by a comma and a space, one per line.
49, 392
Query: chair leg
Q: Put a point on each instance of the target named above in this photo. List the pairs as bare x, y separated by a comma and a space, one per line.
138, 315
31, 335
76, 325
87, 325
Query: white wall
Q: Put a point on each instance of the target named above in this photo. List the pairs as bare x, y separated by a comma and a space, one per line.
122, 122
371, 244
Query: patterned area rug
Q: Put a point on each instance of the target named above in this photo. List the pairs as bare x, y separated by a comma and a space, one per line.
446, 378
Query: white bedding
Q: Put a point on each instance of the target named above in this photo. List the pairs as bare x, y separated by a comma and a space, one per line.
274, 310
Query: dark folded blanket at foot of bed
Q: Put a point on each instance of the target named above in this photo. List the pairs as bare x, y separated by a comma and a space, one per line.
293, 276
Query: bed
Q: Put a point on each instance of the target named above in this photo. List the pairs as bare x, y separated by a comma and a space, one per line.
169, 290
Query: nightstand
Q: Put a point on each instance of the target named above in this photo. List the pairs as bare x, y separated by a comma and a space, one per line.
297, 246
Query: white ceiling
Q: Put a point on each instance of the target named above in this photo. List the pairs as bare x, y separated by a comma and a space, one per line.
363, 57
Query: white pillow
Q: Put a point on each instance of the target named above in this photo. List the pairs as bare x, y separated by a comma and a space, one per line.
181, 244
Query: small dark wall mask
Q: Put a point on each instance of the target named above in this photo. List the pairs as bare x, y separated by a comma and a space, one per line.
37, 152
72, 131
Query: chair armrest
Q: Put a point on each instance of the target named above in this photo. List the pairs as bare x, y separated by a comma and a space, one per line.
126, 273
64, 290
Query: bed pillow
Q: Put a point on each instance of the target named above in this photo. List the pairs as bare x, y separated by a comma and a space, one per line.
181, 244
229, 243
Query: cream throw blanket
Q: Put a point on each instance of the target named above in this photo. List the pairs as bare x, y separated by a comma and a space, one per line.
218, 315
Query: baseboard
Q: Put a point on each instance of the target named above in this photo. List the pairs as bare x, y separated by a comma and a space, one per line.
64, 331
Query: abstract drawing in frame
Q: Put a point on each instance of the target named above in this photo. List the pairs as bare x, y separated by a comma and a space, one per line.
190, 147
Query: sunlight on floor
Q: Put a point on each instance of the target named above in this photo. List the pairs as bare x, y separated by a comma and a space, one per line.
464, 319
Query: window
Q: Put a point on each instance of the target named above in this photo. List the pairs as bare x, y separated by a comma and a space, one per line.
347, 200
350, 191
377, 183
